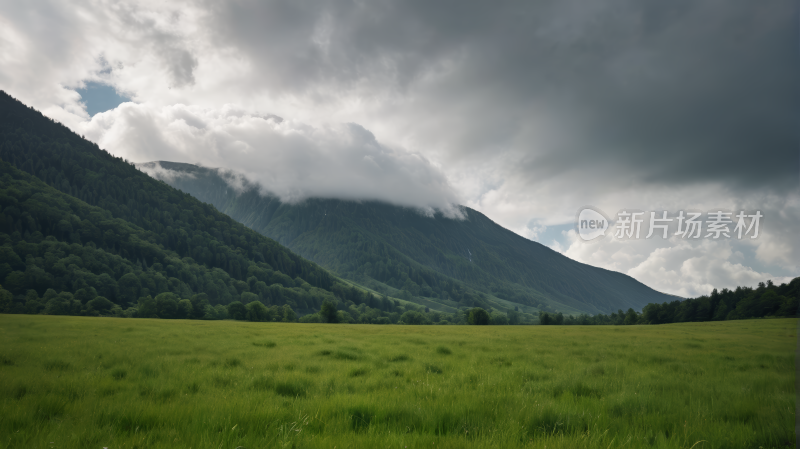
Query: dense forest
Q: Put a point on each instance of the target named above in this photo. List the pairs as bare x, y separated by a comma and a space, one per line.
765, 300
470, 262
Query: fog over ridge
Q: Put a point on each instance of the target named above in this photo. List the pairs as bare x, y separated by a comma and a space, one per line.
286, 158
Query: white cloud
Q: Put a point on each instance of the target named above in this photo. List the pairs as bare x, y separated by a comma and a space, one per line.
531, 231
557, 246
289, 159
686, 268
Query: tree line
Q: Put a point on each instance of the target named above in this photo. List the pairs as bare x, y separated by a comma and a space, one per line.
766, 300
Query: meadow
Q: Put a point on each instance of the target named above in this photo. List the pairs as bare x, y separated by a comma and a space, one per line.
76, 382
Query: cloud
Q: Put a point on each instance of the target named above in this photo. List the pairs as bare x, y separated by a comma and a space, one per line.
155, 170
693, 267
287, 158
681, 93
181, 65
683, 268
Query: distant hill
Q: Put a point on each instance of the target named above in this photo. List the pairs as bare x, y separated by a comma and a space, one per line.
398, 251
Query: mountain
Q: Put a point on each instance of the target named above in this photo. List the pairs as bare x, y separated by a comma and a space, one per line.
77, 224
430, 260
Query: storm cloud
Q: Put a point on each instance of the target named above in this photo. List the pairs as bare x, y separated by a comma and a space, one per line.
671, 92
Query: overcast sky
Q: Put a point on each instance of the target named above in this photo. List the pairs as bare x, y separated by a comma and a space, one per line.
525, 111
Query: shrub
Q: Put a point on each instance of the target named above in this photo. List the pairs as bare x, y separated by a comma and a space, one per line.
218, 312
258, 312
237, 310
344, 317
100, 304
499, 319
147, 307
185, 309
312, 318
478, 316
167, 305
414, 317
63, 304
289, 316
328, 312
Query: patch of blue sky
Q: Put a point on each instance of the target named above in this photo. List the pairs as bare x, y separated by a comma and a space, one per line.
99, 97
555, 234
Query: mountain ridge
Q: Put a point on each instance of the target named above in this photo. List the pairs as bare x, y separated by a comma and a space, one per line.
475, 252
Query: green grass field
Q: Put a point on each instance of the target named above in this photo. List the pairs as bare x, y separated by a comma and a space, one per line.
73, 382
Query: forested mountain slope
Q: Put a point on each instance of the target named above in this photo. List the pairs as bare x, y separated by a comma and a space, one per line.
389, 248
78, 221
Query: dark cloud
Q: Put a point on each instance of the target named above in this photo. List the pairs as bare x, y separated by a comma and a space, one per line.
673, 92
181, 64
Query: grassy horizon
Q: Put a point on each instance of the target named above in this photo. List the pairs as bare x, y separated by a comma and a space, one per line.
107, 382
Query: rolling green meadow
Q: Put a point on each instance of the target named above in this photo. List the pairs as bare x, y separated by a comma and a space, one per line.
77, 382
